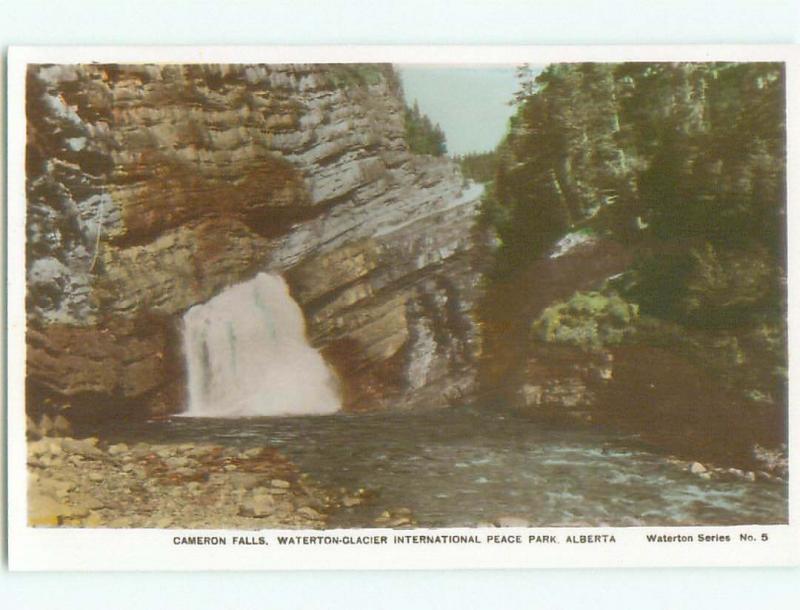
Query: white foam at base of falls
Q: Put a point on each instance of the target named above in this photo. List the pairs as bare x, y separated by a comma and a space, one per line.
247, 355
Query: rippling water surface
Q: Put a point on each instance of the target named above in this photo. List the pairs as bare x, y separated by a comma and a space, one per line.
464, 466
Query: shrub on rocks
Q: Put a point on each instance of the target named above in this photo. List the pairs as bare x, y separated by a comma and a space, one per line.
588, 320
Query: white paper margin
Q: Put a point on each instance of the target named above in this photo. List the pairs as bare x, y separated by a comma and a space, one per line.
68, 549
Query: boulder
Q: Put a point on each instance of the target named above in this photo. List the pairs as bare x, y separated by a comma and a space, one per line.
309, 512
697, 468
257, 505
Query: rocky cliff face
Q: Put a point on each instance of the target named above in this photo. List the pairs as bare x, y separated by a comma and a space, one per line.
151, 188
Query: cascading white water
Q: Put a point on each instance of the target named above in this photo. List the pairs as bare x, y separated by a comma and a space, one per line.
247, 355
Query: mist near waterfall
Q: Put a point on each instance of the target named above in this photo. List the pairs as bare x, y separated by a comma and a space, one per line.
247, 355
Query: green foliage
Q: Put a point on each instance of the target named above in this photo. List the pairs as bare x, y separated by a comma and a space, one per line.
422, 136
750, 361
727, 288
491, 213
686, 161
658, 283
709, 287
685, 164
684, 151
480, 167
342, 76
589, 320
717, 177
531, 214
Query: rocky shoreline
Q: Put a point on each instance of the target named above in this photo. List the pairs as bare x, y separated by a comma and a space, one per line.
86, 483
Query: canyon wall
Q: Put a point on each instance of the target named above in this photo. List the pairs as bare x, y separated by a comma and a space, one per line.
152, 187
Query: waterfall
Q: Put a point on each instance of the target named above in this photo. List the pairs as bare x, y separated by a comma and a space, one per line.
247, 354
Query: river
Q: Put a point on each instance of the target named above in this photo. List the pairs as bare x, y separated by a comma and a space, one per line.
468, 466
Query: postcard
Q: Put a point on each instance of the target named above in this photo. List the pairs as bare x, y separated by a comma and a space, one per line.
401, 307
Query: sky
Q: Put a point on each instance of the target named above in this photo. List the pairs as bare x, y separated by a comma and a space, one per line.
469, 103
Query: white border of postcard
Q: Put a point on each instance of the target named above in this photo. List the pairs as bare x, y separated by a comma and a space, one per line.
148, 549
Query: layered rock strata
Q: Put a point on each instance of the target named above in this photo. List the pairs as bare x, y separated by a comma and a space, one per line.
153, 187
